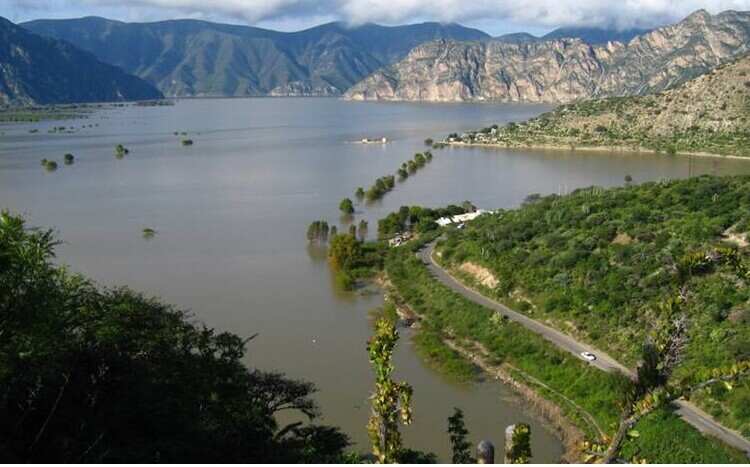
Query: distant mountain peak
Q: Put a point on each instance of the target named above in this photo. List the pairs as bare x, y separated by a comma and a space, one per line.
699, 15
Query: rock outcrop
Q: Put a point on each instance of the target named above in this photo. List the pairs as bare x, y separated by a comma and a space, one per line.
561, 70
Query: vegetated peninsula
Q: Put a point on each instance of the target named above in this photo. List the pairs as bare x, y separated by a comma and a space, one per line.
37, 70
709, 114
561, 70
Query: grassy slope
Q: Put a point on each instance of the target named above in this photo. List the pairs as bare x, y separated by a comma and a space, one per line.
447, 313
709, 114
595, 263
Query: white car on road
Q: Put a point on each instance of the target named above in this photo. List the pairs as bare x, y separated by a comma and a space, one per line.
588, 356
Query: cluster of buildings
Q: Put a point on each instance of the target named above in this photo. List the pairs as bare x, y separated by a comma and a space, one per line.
491, 137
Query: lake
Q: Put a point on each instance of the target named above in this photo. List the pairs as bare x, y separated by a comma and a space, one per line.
232, 210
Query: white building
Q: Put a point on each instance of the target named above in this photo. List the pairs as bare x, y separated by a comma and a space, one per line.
461, 218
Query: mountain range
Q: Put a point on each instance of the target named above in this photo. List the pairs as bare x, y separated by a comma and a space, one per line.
198, 58
37, 70
428, 61
561, 70
590, 35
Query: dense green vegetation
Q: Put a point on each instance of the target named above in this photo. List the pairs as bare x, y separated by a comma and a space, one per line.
354, 259
529, 357
416, 219
598, 262
108, 375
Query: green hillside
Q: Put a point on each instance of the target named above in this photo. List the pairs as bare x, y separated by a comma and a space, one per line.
709, 114
597, 263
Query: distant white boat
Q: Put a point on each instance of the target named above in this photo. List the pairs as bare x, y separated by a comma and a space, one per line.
382, 140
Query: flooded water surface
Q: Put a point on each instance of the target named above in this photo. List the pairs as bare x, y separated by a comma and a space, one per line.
231, 211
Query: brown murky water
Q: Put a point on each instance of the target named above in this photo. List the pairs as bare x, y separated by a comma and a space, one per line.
231, 213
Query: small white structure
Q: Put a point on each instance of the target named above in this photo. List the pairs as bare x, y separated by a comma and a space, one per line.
399, 239
461, 218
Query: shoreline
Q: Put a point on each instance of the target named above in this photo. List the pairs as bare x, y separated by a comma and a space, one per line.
547, 411
611, 149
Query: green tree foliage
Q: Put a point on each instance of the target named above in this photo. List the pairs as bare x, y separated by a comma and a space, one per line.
121, 151
414, 218
343, 252
391, 400
362, 230
519, 451
108, 375
48, 165
360, 193
69, 159
458, 434
346, 206
318, 231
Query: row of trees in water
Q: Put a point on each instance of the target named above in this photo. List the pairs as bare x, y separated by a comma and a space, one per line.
320, 231
385, 184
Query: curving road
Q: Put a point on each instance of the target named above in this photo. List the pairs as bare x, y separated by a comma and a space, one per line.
690, 413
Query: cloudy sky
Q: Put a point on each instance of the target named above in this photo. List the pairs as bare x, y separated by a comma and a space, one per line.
493, 16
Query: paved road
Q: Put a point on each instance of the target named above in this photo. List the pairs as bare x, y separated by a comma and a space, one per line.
691, 414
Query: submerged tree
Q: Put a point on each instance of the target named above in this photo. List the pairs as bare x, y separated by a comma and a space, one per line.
458, 434
346, 206
391, 400
121, 151
362, 230
518, 444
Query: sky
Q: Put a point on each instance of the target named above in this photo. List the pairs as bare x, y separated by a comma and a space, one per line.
493, 16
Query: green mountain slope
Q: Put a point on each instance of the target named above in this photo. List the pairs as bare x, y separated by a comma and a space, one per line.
709, 114
37, 70
197, 58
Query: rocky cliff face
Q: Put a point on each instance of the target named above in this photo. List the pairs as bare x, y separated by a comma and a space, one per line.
561, 70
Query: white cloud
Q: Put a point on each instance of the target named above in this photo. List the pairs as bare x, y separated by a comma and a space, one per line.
530, 13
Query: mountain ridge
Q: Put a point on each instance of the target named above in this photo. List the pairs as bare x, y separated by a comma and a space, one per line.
561, 70
199, 58
38, 70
